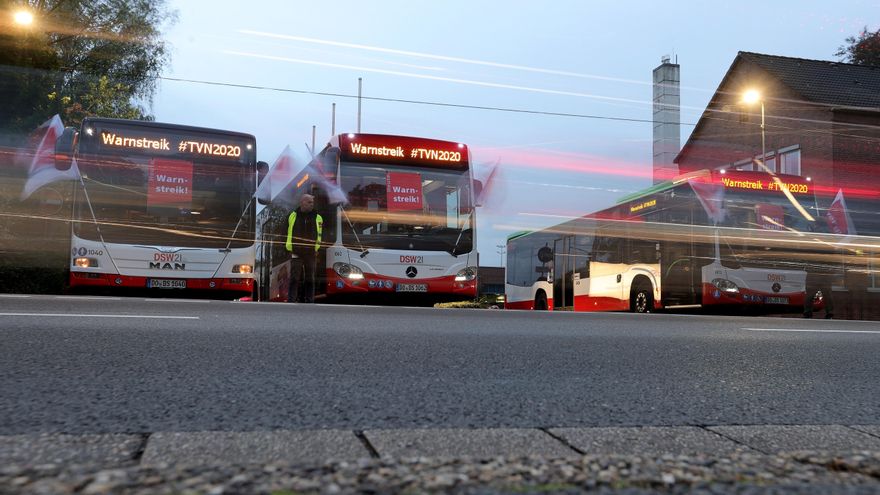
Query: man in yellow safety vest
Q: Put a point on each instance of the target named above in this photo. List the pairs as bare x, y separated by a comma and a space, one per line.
304, 229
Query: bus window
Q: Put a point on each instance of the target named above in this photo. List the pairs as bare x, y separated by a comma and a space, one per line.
606, 250
583, 245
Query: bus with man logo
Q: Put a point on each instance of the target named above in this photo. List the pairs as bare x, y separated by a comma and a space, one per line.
159, 207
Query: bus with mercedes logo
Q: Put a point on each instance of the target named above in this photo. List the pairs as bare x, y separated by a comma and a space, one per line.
162, 208
399, 221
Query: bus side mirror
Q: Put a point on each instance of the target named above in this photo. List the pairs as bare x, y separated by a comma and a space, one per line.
64, 148
478, 192
262, 170
264, 193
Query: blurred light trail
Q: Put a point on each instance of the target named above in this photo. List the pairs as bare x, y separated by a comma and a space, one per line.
569, 186
544, 160
440, 57
436, 78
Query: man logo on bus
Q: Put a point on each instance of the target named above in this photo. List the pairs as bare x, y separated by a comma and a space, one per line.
411, 271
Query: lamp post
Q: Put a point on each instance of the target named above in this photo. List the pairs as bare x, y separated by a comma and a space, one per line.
501, 250
751, 97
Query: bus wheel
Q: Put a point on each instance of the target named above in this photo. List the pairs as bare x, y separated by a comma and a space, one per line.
541, 301
641, 300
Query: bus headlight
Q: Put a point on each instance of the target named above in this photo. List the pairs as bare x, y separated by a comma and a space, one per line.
725, 285
242, 269
466, 275
350, 272
85, 262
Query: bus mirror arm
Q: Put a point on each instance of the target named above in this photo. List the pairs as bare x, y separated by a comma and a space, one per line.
364, 251
458, 240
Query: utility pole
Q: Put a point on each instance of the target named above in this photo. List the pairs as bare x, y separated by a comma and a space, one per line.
360, 80
333, 121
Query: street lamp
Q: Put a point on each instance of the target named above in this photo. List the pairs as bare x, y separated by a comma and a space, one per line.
751, 97
23, 18
501, 249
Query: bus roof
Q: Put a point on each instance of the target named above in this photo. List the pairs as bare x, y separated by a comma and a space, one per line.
521, 233
163, 125
664, 186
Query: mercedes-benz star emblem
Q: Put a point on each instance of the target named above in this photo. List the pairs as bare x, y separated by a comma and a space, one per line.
411, 271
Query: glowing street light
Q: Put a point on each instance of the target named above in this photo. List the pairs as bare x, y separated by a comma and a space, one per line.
23, 18
751, 97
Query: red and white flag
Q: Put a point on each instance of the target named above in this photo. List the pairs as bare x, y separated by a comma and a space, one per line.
42, 169
839, 221
711, 196
283, 180
280, 174
490, 191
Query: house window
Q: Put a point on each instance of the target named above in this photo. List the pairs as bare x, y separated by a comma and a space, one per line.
747, 165
770, 162
790, 162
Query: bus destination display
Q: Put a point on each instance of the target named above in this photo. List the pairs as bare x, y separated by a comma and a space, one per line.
165, 144
401, 149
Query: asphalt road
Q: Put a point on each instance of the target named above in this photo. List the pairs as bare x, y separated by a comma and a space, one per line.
106, 365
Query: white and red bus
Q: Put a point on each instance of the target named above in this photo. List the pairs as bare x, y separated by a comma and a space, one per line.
400, 224
659, 248
161, 206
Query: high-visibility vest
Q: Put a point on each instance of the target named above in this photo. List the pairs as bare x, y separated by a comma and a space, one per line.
319, 223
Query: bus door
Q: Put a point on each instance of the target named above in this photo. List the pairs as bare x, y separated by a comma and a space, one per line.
606, 275
680, 264
563, 280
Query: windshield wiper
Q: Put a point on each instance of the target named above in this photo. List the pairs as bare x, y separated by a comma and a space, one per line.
364, 251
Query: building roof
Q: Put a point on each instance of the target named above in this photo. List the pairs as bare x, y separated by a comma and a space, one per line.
824, 82
836, 84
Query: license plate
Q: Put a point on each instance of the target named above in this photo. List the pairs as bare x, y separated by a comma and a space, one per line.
777, 300
412, 287
165, 283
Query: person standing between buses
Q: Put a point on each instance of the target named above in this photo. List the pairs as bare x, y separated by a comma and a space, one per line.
304, 229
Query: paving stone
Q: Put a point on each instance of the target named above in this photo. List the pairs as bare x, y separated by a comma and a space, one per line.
649, 440
262, 447
772, 439
466, 442
108, 450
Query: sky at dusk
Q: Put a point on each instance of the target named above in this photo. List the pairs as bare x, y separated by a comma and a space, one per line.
589, 58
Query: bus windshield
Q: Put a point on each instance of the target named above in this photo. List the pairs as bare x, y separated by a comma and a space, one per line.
142, 199
409, 208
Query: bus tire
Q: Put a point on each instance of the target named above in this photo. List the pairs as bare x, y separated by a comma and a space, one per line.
641, 299
541, 301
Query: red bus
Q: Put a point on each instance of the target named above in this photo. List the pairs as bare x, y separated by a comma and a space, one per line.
402, 222
719, 238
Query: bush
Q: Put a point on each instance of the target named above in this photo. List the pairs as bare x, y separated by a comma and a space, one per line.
488, 301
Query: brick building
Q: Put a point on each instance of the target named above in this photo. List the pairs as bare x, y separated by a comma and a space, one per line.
822, 122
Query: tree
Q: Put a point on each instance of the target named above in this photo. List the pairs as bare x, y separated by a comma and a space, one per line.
80, 58
863, 49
